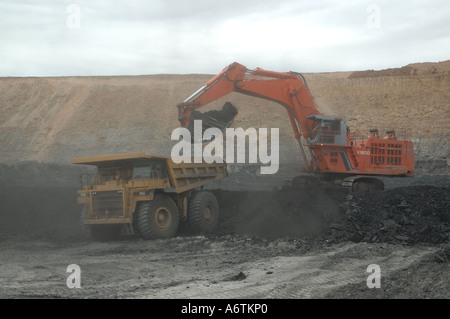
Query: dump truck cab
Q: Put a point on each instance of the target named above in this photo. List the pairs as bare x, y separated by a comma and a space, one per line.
146, 195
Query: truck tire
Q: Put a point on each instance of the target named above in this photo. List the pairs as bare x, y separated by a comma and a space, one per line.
99, 232
158, 218
203, 213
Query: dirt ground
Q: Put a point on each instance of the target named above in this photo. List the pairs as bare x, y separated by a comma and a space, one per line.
223, 267
271, 243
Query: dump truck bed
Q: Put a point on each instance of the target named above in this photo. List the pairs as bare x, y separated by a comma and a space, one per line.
182, 176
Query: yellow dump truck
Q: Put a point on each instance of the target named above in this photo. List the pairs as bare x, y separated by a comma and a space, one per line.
147, 195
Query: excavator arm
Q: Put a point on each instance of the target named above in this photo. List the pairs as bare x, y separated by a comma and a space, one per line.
288, 89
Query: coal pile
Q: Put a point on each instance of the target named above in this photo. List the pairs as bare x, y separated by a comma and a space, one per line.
406, 215
410, 215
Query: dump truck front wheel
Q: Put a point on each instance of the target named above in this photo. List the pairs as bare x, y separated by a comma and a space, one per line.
203, 213
158, 218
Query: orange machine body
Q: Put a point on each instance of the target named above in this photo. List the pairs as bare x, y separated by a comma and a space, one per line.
333, 149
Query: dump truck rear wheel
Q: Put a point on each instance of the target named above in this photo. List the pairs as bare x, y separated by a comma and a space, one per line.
158, 218
203, 214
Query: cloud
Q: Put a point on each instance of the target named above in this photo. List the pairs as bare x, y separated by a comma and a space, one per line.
202, 36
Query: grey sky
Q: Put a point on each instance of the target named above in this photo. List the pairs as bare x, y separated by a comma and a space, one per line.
130, 37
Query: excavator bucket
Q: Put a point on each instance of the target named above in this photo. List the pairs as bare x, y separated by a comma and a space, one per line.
218, 119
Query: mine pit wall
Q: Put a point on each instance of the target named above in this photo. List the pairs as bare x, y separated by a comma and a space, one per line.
414, 105
51, 120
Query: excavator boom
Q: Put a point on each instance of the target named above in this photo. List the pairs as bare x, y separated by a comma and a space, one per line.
288, 89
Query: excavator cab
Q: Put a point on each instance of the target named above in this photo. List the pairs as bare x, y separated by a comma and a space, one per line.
327, 129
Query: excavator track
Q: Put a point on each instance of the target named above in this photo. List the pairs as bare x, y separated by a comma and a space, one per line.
357, 183
361, 183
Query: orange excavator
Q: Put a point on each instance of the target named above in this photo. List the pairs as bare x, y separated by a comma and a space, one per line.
332, 149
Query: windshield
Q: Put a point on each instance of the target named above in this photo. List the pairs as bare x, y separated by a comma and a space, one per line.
152, 169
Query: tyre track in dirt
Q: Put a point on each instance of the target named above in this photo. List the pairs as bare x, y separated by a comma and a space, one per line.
295, 277
223, 267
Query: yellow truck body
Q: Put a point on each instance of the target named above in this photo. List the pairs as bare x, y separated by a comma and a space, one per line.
125, 187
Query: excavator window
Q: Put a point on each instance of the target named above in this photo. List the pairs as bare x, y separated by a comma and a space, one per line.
325, 131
